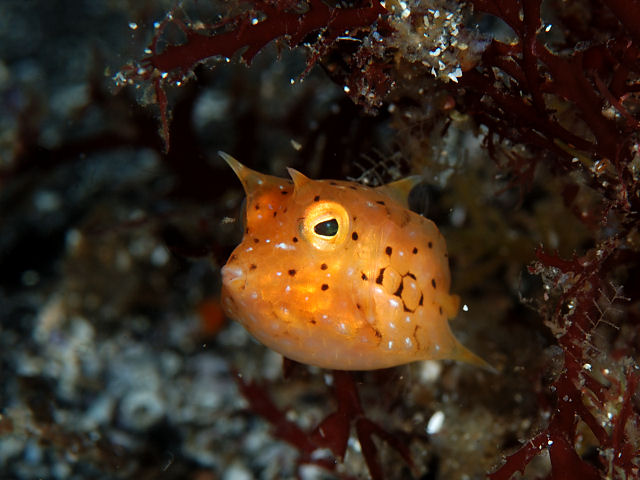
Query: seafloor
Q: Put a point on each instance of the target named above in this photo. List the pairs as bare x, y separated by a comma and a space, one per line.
115, 359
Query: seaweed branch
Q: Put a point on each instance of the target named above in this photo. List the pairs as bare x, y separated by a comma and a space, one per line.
578, 110
332, 434
578, 393
265, 22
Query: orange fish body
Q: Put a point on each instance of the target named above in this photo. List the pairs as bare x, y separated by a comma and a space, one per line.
339, 275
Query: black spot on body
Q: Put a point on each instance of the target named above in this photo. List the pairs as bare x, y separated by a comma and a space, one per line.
256, 240
284, 192
354, 235
253, 266
440, 308
275, 213
358, 306
316, 198
246, 230
380, 202
333, 183
433, 282
421, 299
294, 239
415, 336
324, 286
292, 272
415, 250
313, 322
364, 277
430, 244
257, 206
388, 251
323, 266
380, 277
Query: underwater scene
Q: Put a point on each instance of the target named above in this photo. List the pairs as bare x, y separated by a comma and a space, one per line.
320, 239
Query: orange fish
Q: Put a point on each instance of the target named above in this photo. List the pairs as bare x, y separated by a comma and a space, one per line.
339, 275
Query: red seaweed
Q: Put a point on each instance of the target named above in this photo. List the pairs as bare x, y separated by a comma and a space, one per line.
575, 318
517, 88
333, 432
265, 22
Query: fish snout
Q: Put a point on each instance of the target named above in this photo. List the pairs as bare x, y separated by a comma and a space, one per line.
233, 276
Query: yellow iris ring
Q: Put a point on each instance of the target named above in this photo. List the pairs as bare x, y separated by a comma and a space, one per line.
323, 211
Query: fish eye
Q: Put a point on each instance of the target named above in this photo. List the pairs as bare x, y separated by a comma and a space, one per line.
325, 225
328, 228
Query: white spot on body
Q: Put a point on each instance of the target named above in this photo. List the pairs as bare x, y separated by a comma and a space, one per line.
250, 249
342, 328
394, 303
260, 181
350, 271
401, 253
267, 240
287, 288
407, 319
284, 246
259, 216
390, 345
278, 274
254, 295
379, 290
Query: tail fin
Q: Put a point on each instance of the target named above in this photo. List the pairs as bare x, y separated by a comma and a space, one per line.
463, 354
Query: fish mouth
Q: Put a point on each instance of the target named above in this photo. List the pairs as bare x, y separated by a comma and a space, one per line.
233, 277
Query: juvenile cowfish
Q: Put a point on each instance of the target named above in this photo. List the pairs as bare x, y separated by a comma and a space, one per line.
339, 275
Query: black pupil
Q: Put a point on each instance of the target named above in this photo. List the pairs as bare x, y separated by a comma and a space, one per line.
327, 229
